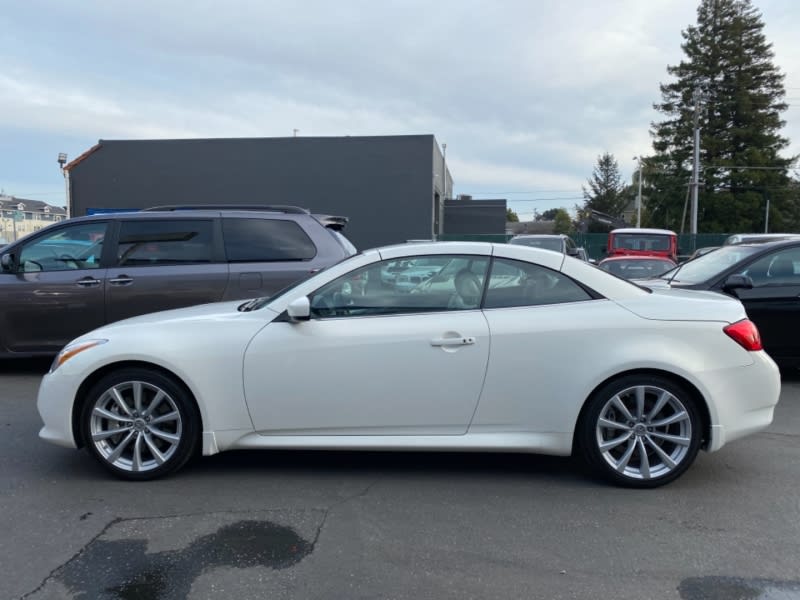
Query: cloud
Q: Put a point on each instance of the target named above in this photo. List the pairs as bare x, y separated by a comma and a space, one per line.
524, 93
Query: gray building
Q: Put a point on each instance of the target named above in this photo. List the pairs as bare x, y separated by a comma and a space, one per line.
391, 187
465, 216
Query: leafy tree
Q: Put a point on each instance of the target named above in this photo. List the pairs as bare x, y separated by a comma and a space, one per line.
729, 75
607, 192
511, 216
548, 215
563, 222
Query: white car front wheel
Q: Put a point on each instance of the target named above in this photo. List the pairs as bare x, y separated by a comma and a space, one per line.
140, 424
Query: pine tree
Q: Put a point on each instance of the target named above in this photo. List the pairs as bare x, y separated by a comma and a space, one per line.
740, 98
607, 192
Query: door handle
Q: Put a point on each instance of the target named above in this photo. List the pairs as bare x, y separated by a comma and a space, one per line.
121, 280
453, 341
88, 282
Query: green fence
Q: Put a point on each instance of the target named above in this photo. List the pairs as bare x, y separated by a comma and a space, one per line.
596, 243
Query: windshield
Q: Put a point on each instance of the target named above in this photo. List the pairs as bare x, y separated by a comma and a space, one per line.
542, 242
637, 241
704, 268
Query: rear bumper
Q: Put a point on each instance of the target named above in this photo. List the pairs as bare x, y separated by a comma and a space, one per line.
743, 400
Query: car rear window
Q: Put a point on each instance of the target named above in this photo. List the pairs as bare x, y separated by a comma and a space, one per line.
266, 240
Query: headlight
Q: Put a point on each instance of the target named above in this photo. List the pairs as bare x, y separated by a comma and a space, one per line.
71, 350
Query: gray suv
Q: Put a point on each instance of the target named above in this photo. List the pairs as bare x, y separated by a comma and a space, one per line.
558, 242
79, 274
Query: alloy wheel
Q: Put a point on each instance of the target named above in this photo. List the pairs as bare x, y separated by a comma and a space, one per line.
135, 426
644, 432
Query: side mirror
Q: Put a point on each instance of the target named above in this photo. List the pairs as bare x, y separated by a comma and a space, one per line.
299, 309
737, 282
572, 251
7, 262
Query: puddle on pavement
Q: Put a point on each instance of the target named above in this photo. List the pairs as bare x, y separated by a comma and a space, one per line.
122, 570
735, 588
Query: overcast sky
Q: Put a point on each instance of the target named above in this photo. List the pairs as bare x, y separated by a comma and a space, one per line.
526, 94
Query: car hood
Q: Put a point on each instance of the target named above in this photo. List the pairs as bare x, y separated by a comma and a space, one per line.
183, 317
672, 304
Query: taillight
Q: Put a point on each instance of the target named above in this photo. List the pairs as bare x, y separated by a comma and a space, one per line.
745, 333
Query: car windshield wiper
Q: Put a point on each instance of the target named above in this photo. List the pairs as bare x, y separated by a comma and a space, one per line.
672, 278
252, 304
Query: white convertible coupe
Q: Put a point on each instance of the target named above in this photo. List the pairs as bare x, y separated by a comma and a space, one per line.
503, 348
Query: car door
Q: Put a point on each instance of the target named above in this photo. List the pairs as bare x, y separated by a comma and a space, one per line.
773, 303
56, 292
373, 360
160, 264
542, 325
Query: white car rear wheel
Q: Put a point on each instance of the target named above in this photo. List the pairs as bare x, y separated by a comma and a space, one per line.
640, 431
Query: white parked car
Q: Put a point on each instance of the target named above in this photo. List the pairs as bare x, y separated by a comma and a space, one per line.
521, 349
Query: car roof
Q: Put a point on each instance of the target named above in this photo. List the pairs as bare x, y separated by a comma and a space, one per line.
768, 244
540, 235
740, 238
182, 214
644, 230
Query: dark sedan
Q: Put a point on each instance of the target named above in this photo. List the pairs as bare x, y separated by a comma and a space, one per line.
765, 277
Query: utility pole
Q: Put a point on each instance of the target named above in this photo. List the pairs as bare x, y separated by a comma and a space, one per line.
696, 161
639, 195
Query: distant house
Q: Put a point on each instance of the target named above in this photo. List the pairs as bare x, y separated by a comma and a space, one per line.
21, 216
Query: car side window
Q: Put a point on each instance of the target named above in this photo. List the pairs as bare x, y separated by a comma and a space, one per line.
778, 268
517, 283
68, 248
168, 242
265, 240
403, 286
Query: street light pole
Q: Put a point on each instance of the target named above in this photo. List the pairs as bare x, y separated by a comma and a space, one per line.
62, 161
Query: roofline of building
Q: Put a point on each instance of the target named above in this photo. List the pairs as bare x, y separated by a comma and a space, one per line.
75, 162
228, 139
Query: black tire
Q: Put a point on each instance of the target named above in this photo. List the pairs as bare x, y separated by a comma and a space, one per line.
641, 451
158, 437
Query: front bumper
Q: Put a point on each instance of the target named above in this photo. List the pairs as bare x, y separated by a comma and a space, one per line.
55, 400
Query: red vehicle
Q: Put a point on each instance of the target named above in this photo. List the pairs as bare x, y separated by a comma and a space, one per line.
637, 267
643, 242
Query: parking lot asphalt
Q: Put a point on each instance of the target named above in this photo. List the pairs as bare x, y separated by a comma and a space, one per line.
384, 525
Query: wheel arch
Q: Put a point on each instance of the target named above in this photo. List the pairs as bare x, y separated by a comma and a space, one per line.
95, 376
702, 405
